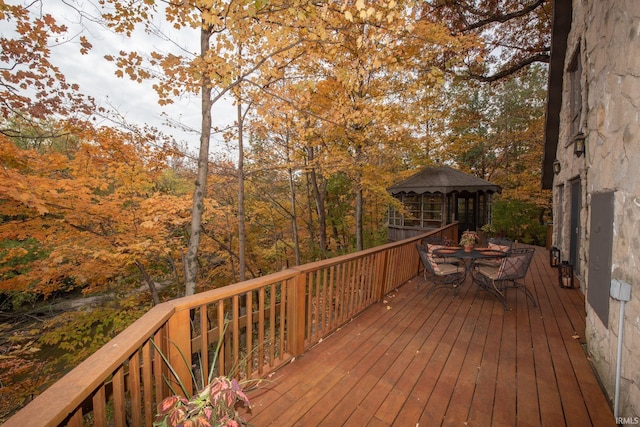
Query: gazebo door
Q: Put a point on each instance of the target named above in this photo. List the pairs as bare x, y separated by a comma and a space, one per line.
466, 212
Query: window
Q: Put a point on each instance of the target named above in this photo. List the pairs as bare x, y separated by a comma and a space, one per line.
431, 210
413, 204
394, 216
421, 211
575, 95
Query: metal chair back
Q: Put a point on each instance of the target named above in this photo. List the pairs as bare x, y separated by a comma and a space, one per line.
512, 268
515, 265
501, 241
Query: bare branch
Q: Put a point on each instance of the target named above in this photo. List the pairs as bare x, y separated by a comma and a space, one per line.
540, 57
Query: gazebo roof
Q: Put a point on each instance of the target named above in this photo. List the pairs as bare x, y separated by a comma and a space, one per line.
442, 179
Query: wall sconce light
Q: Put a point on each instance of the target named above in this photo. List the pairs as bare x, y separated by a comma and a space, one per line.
578, 144
554, 257
565, 274
556, 167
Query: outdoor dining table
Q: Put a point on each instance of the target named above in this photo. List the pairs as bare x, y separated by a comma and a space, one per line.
469, 257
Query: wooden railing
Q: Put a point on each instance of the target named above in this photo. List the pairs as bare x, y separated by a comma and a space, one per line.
247, 330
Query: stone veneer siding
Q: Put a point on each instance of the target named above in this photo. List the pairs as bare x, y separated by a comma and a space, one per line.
606, 33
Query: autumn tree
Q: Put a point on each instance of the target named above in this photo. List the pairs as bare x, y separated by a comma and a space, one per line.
32, 87
276, 164
377, 66
515, 33
92, 203
496, 133
270, 34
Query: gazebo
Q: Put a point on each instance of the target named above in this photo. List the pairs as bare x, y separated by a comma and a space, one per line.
437, 196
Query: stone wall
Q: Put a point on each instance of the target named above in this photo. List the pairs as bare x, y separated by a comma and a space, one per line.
606, 35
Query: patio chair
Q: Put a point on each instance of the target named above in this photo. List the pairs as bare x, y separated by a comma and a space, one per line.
500, 243
441, 259
512, 268
440, 274
497, 243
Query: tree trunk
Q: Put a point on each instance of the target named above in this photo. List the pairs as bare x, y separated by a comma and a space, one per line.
359, 215
310, 225
318, 195
294, 221
242, 239
149, 282
174, 270
191, 260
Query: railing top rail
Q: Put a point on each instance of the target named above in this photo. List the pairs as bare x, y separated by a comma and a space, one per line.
208, 297
316, 265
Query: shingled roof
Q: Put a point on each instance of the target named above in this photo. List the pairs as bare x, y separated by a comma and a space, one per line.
442, 179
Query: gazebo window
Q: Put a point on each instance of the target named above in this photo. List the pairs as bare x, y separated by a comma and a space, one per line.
413, 203
394, 216
422, 210
431, 209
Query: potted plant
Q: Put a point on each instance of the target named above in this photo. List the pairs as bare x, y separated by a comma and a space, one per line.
468, 240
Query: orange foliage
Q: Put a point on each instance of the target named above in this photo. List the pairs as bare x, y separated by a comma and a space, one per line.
95, 211
29, 81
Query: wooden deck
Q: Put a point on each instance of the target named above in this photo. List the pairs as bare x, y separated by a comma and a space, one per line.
454, 361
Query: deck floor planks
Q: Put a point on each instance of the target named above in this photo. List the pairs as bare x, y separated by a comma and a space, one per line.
527, 390
451, 360
424, 348
559, 334
390, 380
458, 409
399, 319
482, 402
440, 398
397, 340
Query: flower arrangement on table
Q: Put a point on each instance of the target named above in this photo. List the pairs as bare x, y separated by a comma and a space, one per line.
469, 238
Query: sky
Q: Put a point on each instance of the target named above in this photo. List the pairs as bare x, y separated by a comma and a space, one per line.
137, 102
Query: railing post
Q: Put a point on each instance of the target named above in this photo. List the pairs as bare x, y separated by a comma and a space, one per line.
179, 350
297, 314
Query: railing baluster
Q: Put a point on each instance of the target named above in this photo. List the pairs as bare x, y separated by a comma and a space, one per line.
308, 304
332, 302
284, 322
272, 324
261, 326
159, 368
222, 333
147, 383
119, 413
249, 333
76, 419
235, 334
204, 342
134, 389
99, 407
